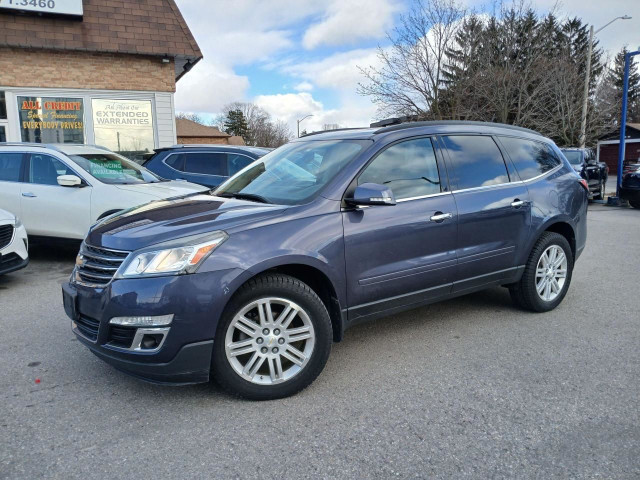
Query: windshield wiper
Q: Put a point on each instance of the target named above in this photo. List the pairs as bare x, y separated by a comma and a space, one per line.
252, 197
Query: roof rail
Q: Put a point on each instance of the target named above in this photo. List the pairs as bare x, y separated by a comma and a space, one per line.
333, 130
25, 144
401, 126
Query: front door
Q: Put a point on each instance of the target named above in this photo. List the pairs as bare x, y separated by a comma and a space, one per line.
494, 211
49, 209
402, 254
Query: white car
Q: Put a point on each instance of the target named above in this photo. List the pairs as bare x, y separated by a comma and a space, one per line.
61, 190
13, 243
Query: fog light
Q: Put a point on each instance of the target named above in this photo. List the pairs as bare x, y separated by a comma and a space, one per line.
146, 321
150, 342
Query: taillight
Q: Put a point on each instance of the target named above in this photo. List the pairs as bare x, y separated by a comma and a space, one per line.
584, 183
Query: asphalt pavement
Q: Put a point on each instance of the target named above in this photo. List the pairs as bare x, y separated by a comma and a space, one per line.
468, 388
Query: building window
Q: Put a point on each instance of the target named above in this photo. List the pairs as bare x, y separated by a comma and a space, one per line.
3, 106
124, 126
51, 120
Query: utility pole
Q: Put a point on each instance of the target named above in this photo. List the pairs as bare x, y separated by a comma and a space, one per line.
585, 98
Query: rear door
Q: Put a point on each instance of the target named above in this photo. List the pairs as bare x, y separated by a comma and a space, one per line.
494, 212
49, 209
11, 175
398, 255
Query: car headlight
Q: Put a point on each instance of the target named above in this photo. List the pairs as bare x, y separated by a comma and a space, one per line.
172, 261
17, 223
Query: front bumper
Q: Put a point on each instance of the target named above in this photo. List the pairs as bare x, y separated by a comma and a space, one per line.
184, 357
15, 255
632, 194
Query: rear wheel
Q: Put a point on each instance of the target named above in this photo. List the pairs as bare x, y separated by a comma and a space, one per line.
546, 276
635, 203
273, 339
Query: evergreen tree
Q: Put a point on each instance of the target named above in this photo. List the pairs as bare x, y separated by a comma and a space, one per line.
616, 79
236, 124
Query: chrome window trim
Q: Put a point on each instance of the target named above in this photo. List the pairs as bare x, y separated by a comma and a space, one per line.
408, 199
205, 174
554, 169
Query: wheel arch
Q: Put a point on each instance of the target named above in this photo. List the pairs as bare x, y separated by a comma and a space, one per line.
562, 227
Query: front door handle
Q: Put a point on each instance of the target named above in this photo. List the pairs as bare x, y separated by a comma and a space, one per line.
29, 194
517, 203
440, 217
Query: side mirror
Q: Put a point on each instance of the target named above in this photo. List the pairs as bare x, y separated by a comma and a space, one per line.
69, 181
371, 194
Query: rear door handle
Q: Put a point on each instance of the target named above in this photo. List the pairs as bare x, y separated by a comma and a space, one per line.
517, 203
29, 194
440, 217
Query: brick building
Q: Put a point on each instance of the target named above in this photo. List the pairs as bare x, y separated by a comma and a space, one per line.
608, 146
190, 132
93, 71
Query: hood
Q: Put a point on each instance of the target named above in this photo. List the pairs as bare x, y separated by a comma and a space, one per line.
163, 190
4, 215
163, 220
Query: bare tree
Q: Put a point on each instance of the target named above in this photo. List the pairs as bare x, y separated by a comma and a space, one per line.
409, 78
263, 131
194, 117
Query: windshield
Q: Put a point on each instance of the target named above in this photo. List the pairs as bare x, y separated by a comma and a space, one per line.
114, 169
574, 156
293, 173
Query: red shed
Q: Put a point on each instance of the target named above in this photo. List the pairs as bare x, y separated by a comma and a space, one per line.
608, 145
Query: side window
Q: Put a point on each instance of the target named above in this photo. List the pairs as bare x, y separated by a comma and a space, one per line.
476, 161
206, 163
45, 169
530, 158
176, 161
237, 162
10, 164
408, 168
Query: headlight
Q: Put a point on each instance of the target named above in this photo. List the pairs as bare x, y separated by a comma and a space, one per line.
171, 261
17, 223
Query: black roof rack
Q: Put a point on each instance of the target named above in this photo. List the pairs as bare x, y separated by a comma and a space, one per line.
333, 130
392, 124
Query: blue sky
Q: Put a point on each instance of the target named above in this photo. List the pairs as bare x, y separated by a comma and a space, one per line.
301, 57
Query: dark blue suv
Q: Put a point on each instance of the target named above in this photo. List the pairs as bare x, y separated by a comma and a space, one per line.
252, 283
207, 165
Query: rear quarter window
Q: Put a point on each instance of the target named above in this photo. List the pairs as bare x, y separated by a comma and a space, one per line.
529, 157
10, 164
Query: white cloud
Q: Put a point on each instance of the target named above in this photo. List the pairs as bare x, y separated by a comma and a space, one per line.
303, 87
348, 21
207, 87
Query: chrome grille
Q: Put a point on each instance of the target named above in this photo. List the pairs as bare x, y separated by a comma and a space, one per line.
6, 234
98, 265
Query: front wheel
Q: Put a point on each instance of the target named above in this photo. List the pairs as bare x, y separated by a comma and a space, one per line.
273, 339
602, 191
546, 276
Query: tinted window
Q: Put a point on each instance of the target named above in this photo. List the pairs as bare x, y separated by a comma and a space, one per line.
10, 166
175, 161
206, 163
530, 158
476, 161
237, 162
45, 170
409, 169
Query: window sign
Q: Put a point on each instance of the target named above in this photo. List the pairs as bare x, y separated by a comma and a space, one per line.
51, 120
124, 126
56, 7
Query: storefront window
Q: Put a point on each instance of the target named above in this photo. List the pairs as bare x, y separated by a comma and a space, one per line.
124, 126
51, 120
3, 106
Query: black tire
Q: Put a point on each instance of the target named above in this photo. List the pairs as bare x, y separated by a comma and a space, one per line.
524, 293
289, 288
635, 203
602, 192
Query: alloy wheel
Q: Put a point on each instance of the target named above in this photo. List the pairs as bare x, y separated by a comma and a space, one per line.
269, 341
551, 273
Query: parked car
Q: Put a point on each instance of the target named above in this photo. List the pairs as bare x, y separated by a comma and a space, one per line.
584, 161
630, 186
208, 165
61, 190
14, 245
253, 282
